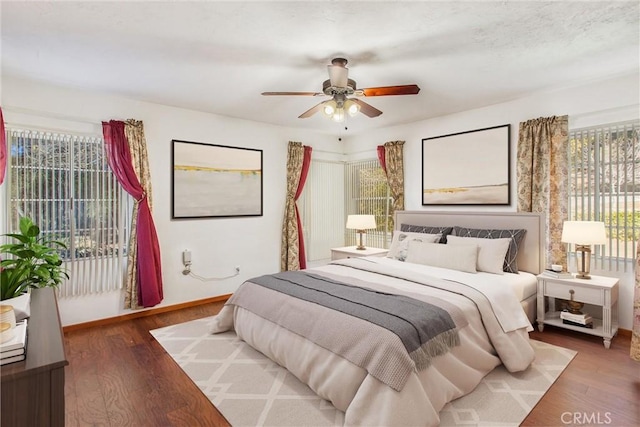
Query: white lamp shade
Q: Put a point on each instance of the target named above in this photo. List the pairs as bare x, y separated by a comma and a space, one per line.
584, 232
361, 222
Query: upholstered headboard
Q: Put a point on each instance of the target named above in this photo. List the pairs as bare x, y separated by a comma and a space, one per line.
531, 254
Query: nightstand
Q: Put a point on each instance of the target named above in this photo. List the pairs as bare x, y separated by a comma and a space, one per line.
352, 252
600, 291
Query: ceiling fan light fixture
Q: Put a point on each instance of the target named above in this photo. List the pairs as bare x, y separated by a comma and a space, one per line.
352, 107
339, 87
338, 116
329, 108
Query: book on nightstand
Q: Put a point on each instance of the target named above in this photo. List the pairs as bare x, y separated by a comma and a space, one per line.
12, 359
581, 318
582, 325
557, 274
14, 350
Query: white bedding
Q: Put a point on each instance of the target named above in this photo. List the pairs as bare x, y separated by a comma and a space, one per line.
366, 400
523, 284
506, 308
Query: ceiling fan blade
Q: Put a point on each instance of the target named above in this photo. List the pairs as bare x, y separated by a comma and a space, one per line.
338, 75
391, 90
293, 93
311, 111
366, 109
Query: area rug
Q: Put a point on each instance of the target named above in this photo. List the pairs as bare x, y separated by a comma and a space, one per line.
251, 390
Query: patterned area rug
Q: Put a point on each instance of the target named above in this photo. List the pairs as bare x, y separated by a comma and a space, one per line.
250, 390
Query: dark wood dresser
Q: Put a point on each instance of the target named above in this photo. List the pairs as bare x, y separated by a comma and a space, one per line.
33, 389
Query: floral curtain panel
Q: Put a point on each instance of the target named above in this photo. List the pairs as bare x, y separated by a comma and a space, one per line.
542, 175
395, 172
134, 129
125, 146
635, 333
292, 253
390, 156
381, 158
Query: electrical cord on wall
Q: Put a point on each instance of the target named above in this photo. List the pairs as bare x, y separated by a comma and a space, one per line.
187, 272
186, 261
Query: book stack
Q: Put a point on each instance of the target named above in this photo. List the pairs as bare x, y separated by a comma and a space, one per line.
583, 320
14, 350
558, 274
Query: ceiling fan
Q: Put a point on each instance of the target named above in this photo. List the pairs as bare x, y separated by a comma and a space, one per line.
339, 87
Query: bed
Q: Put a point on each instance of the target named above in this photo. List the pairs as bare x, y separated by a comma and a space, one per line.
530, 258
356, 331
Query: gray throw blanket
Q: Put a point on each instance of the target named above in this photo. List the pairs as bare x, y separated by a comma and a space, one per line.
426, 330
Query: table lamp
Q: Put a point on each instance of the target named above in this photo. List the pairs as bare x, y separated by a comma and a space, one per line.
584, 234
360, 223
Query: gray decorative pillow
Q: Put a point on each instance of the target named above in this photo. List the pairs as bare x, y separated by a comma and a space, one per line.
444, 231
510, 262
400, 243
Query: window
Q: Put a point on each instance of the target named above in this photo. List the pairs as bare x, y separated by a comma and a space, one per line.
367, 192
321, 207
336, 189
604, 185
64, 184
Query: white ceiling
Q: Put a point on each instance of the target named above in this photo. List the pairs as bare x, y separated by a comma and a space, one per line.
219, 56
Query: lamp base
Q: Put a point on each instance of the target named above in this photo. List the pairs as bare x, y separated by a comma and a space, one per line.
360, 246
585, 261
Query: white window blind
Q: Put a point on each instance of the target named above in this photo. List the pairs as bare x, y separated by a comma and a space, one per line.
367, 193
604, 185
63, 183
322, 209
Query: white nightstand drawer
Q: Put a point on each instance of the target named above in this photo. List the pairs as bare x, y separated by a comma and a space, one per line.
340, 255
352, 252
590, 295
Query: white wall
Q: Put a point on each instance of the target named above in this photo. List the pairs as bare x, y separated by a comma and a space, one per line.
254, 243
600, 102
217, 245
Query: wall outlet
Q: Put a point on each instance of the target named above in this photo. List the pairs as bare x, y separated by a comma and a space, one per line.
186, 257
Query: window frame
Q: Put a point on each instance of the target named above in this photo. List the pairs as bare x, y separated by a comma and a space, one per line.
357, 204
597, 201
71, 180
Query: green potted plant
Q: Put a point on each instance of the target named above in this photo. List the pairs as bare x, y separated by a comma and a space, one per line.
32, 261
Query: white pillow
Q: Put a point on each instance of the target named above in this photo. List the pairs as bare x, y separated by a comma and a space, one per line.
398, 249
454, 257
491, 252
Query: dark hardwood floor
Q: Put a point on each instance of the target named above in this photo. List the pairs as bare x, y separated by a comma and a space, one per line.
599, 387
118, 375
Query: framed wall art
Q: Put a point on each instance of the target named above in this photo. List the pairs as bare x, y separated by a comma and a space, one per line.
467, 168
209, 180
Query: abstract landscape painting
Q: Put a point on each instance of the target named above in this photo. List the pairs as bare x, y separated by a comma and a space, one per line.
215, 180
467, 168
